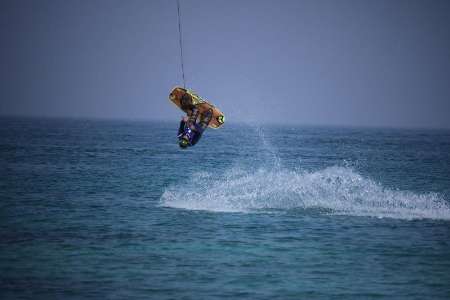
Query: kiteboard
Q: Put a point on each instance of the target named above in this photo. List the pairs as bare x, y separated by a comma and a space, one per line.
218, 117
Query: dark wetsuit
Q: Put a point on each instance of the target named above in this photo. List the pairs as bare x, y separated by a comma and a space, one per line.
193, 113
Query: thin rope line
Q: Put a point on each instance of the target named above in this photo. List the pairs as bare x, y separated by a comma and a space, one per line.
181, 43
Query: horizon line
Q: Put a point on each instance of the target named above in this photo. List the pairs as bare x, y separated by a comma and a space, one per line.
233, 122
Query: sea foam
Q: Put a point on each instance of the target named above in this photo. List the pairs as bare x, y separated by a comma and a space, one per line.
337, 190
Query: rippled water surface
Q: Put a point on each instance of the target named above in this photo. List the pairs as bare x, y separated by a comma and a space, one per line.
115, 210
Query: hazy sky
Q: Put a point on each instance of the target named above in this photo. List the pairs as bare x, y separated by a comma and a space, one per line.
376, 63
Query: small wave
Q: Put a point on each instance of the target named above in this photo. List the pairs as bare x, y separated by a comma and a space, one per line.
340, 190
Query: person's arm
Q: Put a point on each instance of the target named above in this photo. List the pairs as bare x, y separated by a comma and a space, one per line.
195, 138
192, 117
181, 128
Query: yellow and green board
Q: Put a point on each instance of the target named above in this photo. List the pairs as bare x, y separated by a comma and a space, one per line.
218, 118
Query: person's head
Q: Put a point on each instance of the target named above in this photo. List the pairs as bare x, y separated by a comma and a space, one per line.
183, 142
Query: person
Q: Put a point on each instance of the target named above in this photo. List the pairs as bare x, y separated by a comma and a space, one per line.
193, 124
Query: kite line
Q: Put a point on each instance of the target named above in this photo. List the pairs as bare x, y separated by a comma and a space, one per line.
181, 43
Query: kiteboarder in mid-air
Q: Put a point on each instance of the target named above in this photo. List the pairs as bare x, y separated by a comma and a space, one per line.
199, 115
193, 124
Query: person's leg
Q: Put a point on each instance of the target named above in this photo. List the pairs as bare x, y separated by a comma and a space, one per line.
186, 102
206, 118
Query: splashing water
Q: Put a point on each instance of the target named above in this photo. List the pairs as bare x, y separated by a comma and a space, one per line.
339, 190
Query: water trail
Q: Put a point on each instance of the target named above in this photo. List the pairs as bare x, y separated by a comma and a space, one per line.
337, 190
263, 183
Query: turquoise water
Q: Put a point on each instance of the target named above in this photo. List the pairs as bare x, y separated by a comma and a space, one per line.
115, 210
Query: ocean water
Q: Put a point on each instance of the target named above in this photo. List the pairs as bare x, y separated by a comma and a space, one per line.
115, 210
